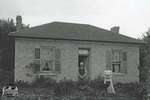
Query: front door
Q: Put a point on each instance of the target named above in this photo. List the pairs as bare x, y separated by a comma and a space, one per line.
83, 63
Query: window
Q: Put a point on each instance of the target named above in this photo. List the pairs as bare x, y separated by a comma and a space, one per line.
124, 62
57, 60
124, 56
48, 58
37, 53
36, 66
37, 60
47, 65
116, 61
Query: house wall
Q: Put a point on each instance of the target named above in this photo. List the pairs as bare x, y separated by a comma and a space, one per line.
24, 54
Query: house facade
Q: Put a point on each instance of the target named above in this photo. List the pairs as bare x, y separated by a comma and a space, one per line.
57, 49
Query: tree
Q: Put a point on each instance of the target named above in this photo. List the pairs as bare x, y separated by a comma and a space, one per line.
144, 57
144, 68
7, 48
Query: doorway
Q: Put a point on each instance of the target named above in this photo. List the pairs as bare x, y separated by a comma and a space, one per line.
83, 59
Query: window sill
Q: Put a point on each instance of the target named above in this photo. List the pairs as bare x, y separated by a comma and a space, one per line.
115, 73
51, 73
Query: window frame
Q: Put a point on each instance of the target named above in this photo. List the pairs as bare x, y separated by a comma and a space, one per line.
37, 59
53, 59
37, 56
116, 62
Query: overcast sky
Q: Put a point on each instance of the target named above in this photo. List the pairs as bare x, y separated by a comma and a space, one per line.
133, 16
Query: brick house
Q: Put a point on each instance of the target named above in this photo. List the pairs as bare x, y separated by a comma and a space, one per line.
57, 49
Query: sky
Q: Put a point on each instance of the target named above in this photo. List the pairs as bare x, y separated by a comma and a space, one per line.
133, 16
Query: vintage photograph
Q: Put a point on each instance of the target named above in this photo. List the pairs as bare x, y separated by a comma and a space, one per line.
74, 50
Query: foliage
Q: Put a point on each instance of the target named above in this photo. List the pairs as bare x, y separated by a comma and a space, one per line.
65, 87
130, 89
48, 86
6, 43
5, 76
39, 97
32, 69
23, 84
144, 68
43, 82
97, 83
6, 49
144, 59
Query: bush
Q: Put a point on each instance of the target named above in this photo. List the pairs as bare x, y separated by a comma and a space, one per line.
22, 84
65, 87
44, 82
97, 84
37, 97
47, 86
130, 89
5, 77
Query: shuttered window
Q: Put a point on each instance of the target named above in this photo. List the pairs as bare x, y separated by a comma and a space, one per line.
108, 59
36, 61
116, 60
36, 66
57, 60
124, 62
47, 59
37, 53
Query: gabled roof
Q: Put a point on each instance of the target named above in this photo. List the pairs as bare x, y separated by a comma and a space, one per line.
72, 31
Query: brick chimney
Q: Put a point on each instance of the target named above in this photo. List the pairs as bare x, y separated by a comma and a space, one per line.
19, 24
115, 29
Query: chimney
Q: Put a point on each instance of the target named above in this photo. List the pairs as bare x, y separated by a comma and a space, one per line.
19, 24
115, 29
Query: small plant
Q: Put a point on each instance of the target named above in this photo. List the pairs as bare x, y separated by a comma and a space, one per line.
65, 87
68, 88
97, 83
130, 89
22, 84
44, 82
32, 69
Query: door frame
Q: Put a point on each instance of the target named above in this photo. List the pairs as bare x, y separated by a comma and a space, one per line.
86, 54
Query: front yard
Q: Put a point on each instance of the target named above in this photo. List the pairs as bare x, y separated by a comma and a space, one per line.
43, 89
33, 97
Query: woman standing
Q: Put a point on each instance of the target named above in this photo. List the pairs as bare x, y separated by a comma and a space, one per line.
82, 75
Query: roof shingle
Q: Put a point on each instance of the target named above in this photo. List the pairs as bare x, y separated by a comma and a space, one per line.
72, 31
